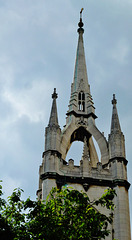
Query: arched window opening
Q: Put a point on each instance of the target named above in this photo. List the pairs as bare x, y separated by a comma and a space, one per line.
79, 105
83, 105
78, 135
83, 145
83, 96
81, 101
75, 152
79, 96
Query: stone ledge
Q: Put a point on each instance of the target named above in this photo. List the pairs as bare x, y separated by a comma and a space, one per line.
62, 180
119, 159
81, 114
53, 152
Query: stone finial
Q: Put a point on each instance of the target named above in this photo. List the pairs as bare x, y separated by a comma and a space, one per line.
114, 101
80, 24
54, 95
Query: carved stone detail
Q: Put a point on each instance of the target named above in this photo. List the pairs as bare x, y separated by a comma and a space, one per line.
81, 122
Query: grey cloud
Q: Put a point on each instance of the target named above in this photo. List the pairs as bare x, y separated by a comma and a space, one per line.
38, 46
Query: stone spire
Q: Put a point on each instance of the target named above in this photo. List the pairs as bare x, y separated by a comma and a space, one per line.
116, 137
81, 100
80, 71
53, 121
53, 131
115, 124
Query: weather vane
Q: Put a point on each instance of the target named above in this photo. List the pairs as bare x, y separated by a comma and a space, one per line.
81, 12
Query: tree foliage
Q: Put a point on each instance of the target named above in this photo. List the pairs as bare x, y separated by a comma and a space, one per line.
67, 214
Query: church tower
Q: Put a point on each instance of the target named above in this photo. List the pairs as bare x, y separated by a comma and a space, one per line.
91, 176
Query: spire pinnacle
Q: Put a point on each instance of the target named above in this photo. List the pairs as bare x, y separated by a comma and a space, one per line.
116, 137
115, 124
53, 121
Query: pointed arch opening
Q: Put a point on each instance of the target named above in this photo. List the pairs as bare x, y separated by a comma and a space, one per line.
79, 134
75, 152
85, 140
77, 144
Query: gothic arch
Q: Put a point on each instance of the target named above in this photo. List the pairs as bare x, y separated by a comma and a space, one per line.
72, 133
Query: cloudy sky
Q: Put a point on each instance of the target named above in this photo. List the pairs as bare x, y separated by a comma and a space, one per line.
38, 41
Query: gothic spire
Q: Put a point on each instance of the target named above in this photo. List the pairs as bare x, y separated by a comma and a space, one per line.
81, 102
53, 121
80, 71
115, 124
116, 138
